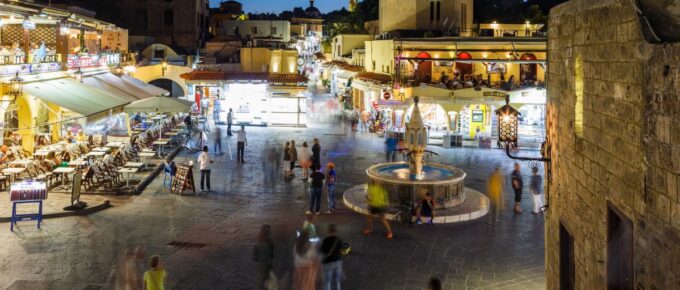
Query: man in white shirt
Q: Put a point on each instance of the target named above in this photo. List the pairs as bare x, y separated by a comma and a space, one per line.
241, 143
230, 119
205, 164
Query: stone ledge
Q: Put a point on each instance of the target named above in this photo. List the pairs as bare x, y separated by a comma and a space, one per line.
476, 205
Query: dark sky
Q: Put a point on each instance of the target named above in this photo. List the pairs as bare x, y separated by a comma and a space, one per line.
276, 6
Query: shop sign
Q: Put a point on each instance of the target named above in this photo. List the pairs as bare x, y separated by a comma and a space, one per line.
390, 103
386, 95
27, 24
85, 61
494, 94
7, 70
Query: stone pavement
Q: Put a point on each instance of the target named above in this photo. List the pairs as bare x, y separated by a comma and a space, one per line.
90, 252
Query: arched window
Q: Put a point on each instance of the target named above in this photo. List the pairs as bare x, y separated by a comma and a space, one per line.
464, 55
168, 17
578, 91
431, 11
439, 6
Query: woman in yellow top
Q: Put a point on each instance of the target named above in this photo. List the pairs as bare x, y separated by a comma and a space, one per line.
154, 278
378, 201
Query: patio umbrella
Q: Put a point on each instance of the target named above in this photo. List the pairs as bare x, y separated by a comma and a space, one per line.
159, 105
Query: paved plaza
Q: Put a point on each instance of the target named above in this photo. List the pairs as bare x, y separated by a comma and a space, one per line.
98, 251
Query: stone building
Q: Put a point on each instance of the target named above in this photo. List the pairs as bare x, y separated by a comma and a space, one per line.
613, 220
180, 24
425, 15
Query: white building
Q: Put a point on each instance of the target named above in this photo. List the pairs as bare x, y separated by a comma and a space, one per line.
255, 29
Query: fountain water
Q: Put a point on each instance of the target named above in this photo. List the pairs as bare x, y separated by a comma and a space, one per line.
408, 182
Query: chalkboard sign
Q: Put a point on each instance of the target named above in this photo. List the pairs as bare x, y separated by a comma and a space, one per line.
75, 190
184, 180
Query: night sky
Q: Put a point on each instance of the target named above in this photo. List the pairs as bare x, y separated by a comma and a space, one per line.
276, 6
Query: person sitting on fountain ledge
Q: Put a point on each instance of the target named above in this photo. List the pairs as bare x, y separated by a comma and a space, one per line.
425, 209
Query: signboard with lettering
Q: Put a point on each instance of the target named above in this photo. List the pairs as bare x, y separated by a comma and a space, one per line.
27, 24
7, 70
84, 61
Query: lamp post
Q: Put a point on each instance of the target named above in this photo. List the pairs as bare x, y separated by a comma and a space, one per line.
507, 135
15, 87
164, 65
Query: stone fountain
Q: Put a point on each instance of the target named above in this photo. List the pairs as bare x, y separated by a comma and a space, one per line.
409, 181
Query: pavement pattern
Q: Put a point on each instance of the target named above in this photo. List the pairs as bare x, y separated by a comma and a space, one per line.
108, 249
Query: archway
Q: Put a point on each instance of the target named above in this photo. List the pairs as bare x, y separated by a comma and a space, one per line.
424, 72
175, 89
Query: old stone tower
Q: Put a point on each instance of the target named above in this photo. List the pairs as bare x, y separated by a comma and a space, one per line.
614, 130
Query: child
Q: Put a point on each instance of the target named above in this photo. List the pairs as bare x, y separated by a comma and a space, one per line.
154, 278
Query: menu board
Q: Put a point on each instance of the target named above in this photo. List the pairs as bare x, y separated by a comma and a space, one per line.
28, 190
184, 180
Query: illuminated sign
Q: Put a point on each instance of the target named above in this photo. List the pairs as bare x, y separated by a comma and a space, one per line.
27, 24
7, 70
92, 60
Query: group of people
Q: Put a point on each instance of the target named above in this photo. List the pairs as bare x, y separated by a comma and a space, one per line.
495, 191
308, 258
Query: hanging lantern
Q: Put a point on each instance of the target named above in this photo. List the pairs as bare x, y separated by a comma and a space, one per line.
164, 65
507, 123
16, 86
118, 70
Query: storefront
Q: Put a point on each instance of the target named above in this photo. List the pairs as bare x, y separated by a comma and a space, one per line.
259, 99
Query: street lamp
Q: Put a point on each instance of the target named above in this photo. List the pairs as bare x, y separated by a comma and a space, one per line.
507, 135
15, 87
164, 65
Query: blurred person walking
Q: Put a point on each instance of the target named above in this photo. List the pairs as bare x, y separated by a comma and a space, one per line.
536, 190
305, 159
332, 259
306, 261
218, 141
154, 278
377, 206
316, 154
293, 156
263, 254
495, 192
517, 186
390, 146
434, 284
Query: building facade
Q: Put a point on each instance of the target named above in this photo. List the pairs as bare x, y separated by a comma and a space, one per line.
181, 24
613, 219
454, 15
249, 29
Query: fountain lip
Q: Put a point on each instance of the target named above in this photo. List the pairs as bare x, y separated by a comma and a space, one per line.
457, 174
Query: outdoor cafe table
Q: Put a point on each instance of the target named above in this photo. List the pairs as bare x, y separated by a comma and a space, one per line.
101, 149
160, 143
64, 171
128, 171
134, 164
145, 156
78, 163
95, 154
114, 144
41, 153
20, 163
12, 171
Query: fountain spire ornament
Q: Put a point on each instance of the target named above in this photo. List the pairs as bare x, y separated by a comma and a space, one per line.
416, 141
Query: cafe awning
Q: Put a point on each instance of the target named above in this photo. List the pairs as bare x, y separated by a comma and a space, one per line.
110, 89
75, 96
150, 89
119, 84
160, 105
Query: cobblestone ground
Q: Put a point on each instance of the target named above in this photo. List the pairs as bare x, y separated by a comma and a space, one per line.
95, 252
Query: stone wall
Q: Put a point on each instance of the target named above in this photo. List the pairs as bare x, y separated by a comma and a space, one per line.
628, 154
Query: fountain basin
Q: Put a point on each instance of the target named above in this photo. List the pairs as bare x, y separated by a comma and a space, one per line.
444, 182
